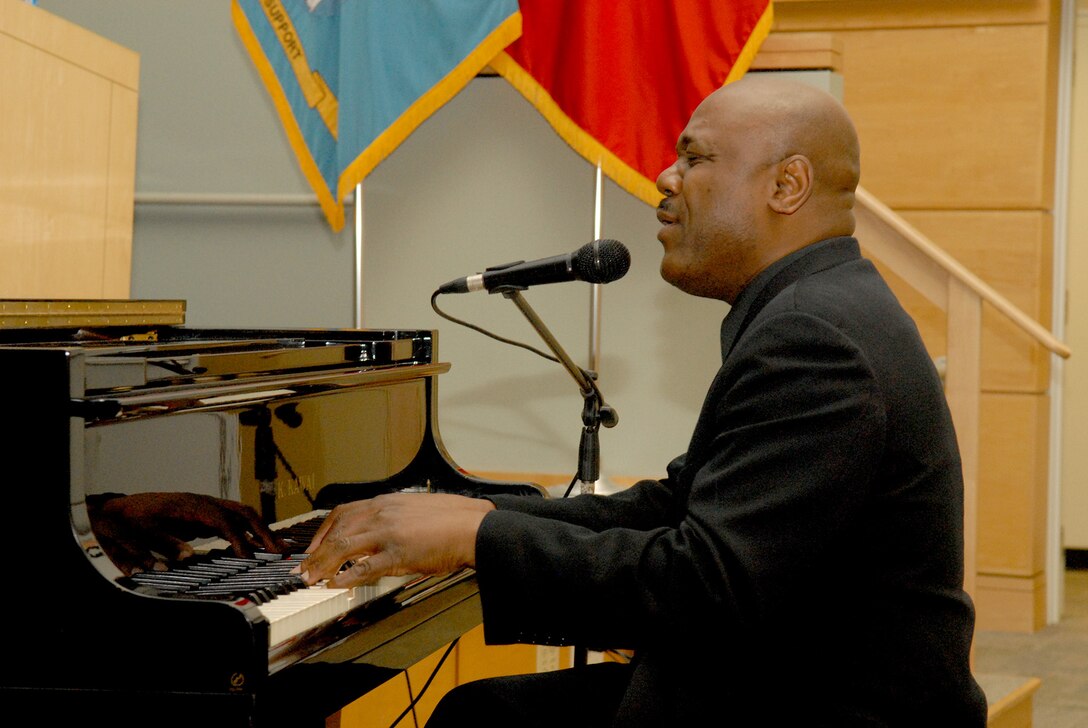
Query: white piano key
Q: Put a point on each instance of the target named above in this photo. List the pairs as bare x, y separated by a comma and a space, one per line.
292, 614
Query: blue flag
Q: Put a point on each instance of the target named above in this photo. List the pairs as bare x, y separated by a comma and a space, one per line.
351, 79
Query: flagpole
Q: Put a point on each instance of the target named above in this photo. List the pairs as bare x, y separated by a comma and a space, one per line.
601, 485
580, 654
359, 255
595, 289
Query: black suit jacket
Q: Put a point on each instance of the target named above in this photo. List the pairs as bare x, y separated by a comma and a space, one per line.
802, 562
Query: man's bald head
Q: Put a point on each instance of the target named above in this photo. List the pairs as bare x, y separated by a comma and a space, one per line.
794, 118
764, 167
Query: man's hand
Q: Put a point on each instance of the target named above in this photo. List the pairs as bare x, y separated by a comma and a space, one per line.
149, 531
393, 535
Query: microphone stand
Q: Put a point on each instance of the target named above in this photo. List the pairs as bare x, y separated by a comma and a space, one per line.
594, 411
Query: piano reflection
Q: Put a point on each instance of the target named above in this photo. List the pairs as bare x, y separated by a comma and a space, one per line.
166, 481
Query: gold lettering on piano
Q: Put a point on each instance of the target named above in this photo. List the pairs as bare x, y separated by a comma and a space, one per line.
299, 485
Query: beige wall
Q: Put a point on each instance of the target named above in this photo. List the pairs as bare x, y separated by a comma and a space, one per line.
1074, 467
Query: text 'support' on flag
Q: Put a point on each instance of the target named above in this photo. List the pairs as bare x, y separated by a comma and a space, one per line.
351, 80
618, 79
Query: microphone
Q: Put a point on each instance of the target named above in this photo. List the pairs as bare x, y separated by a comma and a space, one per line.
601, 261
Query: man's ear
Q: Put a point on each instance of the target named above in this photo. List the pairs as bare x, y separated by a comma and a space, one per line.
793, 185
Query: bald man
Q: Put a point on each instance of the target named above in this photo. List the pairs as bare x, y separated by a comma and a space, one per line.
802, 562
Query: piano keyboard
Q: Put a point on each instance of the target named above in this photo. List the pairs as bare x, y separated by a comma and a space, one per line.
294, 613
290, 606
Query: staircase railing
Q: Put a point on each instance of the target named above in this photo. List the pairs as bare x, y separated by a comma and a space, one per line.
958, 292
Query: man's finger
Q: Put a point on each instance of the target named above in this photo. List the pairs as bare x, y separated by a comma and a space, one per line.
361, 571
333, 552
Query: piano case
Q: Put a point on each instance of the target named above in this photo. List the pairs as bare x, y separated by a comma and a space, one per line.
113, 400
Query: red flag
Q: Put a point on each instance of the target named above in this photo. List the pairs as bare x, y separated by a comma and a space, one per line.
618, 79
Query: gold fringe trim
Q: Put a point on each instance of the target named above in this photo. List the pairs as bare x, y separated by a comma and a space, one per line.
583, 143
592, 150
751, 46
490, 49
334, 212
383, 145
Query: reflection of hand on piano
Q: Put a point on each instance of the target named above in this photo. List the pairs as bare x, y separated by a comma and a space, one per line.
395, 534
148, 531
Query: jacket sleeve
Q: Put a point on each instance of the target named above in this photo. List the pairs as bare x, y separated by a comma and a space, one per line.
783, 453
644, 505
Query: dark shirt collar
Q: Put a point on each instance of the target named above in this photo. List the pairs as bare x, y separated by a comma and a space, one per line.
769, 282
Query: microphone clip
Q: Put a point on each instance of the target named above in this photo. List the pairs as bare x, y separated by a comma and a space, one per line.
508, 289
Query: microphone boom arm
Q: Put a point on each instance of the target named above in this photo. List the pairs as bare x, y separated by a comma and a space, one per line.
594, 411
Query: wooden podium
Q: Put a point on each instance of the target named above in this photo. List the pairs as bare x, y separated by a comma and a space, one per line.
68, 145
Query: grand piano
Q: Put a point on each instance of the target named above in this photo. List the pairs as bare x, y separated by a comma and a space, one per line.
117, 406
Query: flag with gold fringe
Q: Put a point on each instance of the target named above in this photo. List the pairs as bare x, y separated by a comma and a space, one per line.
352, 79
618, 79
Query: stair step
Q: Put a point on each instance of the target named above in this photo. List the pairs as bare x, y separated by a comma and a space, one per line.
1011, 699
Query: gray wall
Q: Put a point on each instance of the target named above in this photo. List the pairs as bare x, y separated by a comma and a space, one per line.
482, 182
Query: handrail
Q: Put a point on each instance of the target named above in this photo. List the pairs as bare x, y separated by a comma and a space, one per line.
960, 294
955, 268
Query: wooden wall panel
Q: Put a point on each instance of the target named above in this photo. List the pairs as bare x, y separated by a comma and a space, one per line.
1012, 252
840, 15
477, 660
1012, 484
383, 705
120, 194
1010, 604
956, 108
69, 150
56, 183
951, 118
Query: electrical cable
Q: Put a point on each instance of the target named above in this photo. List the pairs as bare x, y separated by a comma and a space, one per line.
590, 377
412, 704
485, 332
411, 698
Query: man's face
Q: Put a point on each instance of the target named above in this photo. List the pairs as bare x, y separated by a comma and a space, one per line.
711, 212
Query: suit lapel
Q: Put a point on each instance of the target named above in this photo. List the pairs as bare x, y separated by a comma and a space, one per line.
779, 276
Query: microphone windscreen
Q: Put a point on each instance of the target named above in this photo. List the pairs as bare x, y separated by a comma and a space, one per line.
601, 261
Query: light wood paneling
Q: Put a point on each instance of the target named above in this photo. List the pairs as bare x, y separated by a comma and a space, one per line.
1012, 488
839, 15
1011, 251
1010, 604
1014, 708
69, 149
956, 108
120, 194
952, 118
789, 51
477, 660
58, 37
381, 706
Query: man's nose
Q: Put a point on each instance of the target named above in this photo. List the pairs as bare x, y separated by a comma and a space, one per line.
668, 182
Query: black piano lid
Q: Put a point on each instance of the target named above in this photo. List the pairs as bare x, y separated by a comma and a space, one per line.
282, 420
